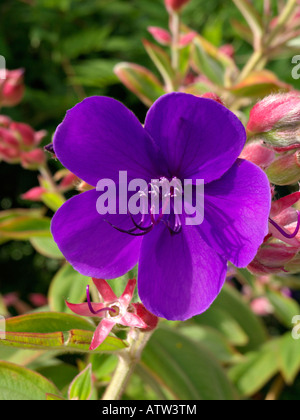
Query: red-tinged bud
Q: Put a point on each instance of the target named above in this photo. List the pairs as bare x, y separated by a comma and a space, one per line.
35, 194
24, 133
12, 88
149, 319
9, 154
275, 112
227, 50
38, 300
213, 96
160, 35
187, 39
175, 5
84, 186
261, 306
285, 170
33, 160
5, 121
272, 258
256, 153
67, 180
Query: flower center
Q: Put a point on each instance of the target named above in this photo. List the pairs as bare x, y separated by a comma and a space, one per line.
164, 204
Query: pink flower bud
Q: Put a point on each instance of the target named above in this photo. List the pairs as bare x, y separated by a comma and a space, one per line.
275, 111
227, 50
35, 194
33, 159
175, 5
5, 121
272, 258
12, 88
160, 35
187, 39
261, 306
256, 153
24, 132
213, 96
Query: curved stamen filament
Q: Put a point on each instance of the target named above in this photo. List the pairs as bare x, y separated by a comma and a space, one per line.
90, 304
283, 232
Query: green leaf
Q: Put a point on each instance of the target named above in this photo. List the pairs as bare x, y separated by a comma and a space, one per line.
289, 357
140, 81
214, 342
52, 200
94, 73
232, 303
162, 61
46, 247
55, 331
257, 369
285, 308
207, 65
185, 368
19, 383
223, 322
47, 322
81, 386
69, 285
52, 397
24, 227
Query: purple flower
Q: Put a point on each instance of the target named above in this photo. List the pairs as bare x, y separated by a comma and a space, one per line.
181, 268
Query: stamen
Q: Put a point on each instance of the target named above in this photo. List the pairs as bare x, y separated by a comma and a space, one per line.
90, 303
283, 232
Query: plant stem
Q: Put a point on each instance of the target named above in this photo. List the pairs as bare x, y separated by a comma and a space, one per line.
128, 359
175, 30
276, 389
283, 19
47, 175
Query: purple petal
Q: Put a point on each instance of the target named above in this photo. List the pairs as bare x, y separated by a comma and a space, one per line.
100, 137
83, 309
102, 331
196, 135
179, 275
89, 243
236, 213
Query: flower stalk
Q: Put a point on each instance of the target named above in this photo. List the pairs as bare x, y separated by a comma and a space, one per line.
128, 359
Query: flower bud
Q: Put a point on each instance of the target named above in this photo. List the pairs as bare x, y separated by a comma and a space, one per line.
35, 194
285, 170
213, 96
149, 319
33, 160
160, 35
256, 153
175, 5
261, 306
276, 119
12, 88
271, 258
